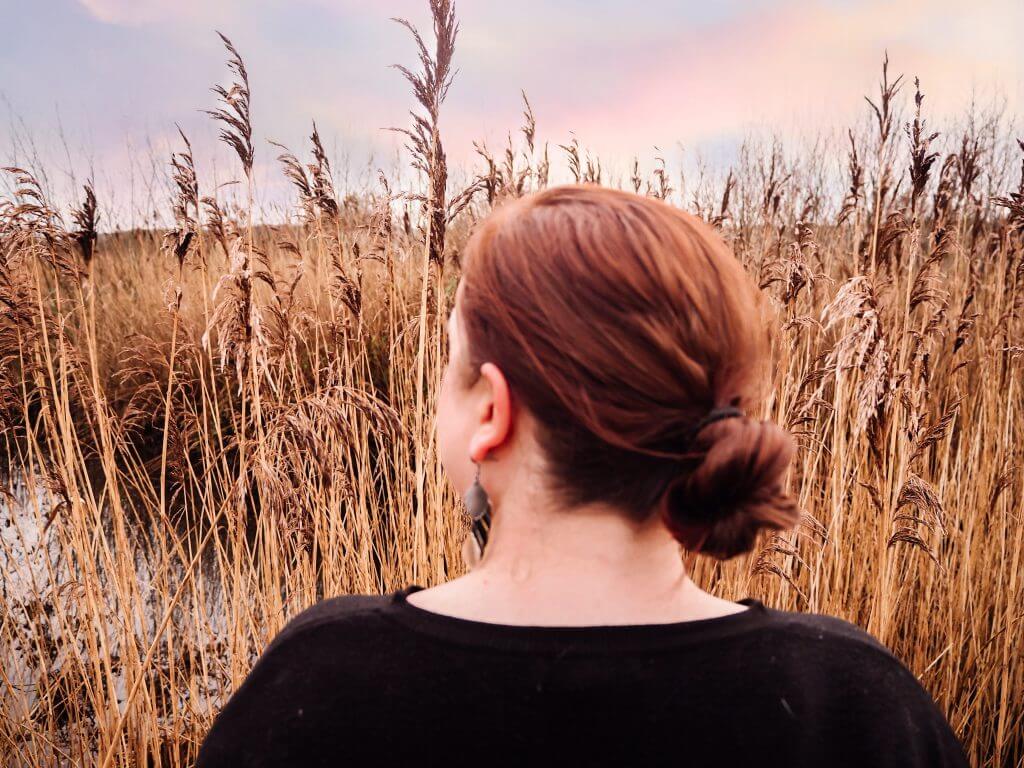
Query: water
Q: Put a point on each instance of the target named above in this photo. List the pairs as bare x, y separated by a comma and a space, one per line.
47, 620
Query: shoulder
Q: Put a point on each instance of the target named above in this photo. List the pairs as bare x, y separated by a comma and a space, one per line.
864, 696
823, 629
294, 691
339, 611
833, 661
327, 638
828, 648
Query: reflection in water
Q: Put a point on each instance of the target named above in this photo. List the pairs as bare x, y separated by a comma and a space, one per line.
64, 619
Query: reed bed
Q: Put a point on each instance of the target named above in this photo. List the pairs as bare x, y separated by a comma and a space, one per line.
206, 429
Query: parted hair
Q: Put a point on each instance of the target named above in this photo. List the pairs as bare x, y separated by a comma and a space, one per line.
620, 322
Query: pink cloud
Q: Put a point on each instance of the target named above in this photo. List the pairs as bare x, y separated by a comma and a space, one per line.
806, 64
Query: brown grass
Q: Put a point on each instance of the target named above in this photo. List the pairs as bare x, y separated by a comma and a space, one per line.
206, 430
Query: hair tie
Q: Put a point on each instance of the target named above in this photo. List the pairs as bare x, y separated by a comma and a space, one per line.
715, 414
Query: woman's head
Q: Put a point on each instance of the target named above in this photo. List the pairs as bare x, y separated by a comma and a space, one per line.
613, 324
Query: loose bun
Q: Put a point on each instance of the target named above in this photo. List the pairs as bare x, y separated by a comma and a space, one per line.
718, 506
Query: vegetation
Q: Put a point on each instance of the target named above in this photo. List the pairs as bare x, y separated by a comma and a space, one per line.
205, 430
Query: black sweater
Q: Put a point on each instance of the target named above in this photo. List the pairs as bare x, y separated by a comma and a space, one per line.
375, 680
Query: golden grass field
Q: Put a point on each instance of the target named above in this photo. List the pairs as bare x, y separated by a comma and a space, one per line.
206, 430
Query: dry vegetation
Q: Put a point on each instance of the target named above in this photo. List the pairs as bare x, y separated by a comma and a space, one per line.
205, 430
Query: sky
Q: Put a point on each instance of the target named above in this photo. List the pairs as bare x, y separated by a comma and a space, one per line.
96, 87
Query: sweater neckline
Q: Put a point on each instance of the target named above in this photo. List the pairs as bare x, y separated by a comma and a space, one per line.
603, 638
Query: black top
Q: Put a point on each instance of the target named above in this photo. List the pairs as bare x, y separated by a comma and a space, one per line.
376, 680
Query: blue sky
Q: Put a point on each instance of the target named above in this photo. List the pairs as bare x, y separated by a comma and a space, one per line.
110, 78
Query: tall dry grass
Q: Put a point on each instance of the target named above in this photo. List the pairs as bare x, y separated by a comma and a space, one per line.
207, 429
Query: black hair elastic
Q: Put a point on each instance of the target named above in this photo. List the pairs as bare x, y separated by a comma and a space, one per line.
715, 414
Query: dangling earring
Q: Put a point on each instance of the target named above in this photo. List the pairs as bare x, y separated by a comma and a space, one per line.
479, 507
476, 500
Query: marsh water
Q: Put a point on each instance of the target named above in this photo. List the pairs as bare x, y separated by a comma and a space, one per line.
52, 620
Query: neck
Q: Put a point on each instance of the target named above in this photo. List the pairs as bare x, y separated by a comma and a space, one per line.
580, 560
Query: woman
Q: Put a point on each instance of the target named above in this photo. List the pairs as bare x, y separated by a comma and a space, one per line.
605, 352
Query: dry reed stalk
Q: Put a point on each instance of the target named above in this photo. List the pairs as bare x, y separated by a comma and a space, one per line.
884, 118
145, 564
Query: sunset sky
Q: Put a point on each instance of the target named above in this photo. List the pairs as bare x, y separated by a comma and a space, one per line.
110, 78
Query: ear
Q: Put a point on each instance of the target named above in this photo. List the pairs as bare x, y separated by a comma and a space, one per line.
495, 413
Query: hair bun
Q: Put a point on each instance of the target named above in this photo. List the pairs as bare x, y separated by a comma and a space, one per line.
718, 507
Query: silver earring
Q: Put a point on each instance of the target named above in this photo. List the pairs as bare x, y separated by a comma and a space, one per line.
476, 499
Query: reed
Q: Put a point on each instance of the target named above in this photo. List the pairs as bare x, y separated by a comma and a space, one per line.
206, 430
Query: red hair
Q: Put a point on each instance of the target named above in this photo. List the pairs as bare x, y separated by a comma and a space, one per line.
620, 322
